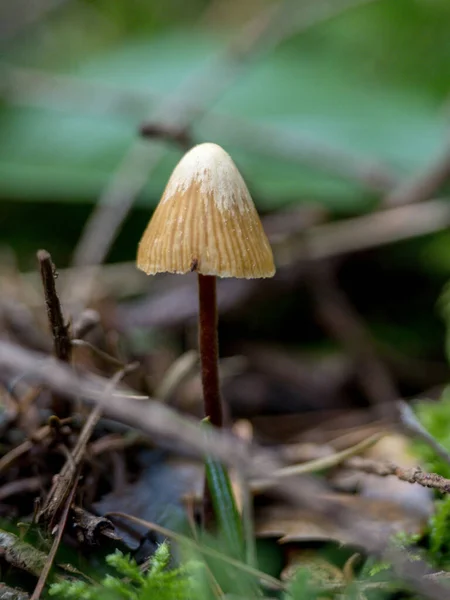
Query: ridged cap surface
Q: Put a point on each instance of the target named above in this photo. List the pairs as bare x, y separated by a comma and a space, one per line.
206, 221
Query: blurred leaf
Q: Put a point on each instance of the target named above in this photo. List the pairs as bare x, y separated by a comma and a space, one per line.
370, 82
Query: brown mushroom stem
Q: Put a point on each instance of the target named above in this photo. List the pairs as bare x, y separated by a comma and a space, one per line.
209, 349
209, 359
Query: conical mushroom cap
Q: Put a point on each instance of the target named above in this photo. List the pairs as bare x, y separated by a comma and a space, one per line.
206, 221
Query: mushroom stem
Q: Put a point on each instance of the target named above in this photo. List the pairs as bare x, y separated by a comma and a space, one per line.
209, 348
209, 359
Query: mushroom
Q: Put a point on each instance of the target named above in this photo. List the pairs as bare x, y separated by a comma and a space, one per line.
206, 222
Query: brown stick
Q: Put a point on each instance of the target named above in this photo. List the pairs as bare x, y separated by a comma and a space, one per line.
66, 478
412, 475
60, 331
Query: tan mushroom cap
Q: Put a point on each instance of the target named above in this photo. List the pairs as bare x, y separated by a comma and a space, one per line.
206, 222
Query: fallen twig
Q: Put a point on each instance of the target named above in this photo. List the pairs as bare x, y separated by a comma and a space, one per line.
65, 480
315, 465
56, 542
178, 371
10, 457
90, 528
375, 229
100, 353
20, 554
9, 593
60, 330
348, 459
411, 475
86, 321
21, 486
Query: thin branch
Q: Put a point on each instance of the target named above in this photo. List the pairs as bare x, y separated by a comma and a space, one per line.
315, 465
65, 479
177, 373
422, 186
297, 148
86, 322
376, 229
412, 427
98, 352
59, 329
56, 542
412, 475
39, 436
19, 487
348, 459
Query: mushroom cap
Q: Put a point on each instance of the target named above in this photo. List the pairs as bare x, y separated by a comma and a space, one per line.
206, 222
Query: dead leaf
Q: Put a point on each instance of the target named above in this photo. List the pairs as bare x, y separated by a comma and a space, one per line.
395, 448
293, 524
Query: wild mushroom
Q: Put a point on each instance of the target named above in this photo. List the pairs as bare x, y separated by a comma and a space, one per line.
206, 222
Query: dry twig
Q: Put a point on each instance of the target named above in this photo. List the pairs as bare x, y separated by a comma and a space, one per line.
10, 457
20, 486
60, 330
56, 542
412, 475
65, 480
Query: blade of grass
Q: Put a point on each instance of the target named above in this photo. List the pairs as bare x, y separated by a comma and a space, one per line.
227, 513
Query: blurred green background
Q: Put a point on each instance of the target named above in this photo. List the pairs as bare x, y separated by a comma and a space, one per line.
327, 87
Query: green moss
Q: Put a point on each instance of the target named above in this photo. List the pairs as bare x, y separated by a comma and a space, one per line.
133, 583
